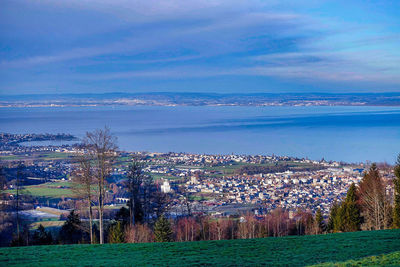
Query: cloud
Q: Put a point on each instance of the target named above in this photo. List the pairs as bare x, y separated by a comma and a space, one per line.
206, 37
174, 40
361, 66
138, 11
315, 73
365, 65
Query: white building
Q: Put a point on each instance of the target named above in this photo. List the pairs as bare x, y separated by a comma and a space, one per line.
165, 187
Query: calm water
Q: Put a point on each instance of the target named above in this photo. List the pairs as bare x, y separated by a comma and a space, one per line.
351, 134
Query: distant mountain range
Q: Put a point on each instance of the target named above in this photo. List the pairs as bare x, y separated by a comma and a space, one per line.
203, 99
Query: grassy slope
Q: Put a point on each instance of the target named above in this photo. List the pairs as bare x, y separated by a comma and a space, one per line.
391, 259
287, 251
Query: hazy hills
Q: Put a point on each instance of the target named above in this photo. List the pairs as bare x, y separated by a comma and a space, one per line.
204, 99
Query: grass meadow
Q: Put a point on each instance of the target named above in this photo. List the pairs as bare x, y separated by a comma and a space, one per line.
282, 251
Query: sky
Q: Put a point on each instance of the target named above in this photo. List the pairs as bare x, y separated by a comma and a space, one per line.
84, 46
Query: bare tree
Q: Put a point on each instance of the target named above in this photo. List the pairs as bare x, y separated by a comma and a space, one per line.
6, 218
186, 229
3, 181
160, 202
139, 233
101, 145
186, 202
134, 180
18, 187
146, 201
84, 185
148, 189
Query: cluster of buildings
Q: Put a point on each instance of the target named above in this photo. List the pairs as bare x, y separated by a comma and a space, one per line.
14, 139
205, 177
189, 159
290, 190
19, 144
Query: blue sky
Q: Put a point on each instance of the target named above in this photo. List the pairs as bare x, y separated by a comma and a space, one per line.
83, 46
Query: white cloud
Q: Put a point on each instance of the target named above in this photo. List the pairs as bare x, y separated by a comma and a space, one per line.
176, 32
220, 35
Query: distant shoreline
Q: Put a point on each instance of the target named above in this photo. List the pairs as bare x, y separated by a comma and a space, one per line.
267, 105
201, 99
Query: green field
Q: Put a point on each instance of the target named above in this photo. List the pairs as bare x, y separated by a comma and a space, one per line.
11, 157
45, 156
391, 259
157, 176
55, 156
284, 251
50, 190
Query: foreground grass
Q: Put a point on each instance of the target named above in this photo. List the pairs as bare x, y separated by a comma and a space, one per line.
391, 259
285, 251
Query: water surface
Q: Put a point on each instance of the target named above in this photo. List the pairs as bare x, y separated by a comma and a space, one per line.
336, 133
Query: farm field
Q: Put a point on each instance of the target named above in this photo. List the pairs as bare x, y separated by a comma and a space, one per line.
50, 190
45, 156
11, 157
47, 224
283, 251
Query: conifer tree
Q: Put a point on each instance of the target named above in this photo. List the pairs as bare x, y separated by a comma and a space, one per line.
351, 211
318, 222
396, 204
332, 222
162, 230
42, 237
116, 233
340, 217
70, 232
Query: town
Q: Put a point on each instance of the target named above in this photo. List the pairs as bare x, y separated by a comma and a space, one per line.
219, 185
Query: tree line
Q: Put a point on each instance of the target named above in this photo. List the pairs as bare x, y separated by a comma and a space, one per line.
368, 206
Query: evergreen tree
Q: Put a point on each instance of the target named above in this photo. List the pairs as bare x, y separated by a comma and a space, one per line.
396, 206
351, 211
318, 222
123, 215
309, 225
332, 217
336, 218
335, 223
42, 237
70, 232
116, 233
340, 217
162, 230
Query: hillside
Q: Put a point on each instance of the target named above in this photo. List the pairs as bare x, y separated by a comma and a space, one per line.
391, 259
289, 251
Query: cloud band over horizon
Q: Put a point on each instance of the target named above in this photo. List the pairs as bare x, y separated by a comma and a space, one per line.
209, 46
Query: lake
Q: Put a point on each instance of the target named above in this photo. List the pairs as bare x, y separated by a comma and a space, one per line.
352, 134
